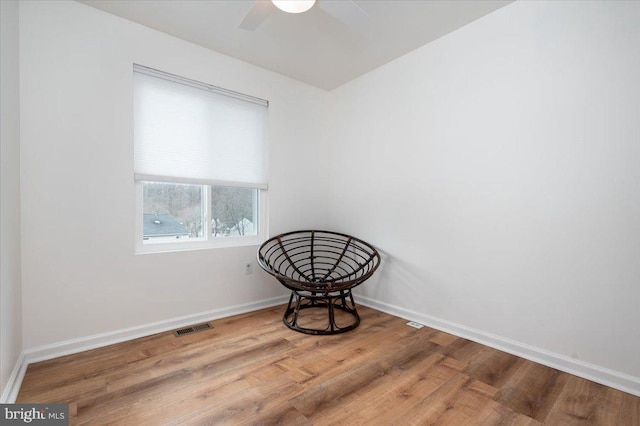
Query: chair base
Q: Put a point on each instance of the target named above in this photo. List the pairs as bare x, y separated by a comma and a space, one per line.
299, 301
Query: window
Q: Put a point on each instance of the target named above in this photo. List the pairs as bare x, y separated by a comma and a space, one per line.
200, 162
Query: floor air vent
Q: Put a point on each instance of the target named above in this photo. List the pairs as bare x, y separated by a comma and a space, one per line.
415, 324
192, 329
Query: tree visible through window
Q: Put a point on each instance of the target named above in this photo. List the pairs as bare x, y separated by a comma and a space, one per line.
179, 201
180, 211
233, 211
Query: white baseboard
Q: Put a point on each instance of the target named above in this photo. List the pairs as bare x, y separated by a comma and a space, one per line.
15, 381
614, 379
55, 350
595, 373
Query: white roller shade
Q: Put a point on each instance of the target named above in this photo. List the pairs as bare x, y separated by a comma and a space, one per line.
190, 132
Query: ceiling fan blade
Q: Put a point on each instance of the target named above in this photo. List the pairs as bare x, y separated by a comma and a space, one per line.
346, 11
260, 10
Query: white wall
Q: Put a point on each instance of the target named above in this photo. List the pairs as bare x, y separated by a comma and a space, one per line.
80, 274
497, 169
10, 303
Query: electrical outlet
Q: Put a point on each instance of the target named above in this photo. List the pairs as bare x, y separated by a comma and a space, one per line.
248, 268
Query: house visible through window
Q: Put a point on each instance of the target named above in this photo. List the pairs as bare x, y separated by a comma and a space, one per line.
200, 164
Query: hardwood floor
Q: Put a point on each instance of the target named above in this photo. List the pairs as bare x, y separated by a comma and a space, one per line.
251, 369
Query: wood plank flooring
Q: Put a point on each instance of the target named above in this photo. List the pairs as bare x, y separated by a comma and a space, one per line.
251, 369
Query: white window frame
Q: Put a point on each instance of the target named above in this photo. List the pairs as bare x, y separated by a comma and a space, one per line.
207, 241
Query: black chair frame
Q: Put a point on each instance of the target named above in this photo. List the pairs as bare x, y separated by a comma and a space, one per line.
320, 268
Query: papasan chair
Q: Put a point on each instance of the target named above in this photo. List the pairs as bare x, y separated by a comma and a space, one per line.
320, 268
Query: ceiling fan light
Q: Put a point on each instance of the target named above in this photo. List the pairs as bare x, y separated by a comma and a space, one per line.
293, 6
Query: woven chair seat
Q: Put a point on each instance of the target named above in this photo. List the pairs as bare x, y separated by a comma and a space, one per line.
320, 268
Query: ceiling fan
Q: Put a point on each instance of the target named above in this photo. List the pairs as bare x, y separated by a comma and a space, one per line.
346, 11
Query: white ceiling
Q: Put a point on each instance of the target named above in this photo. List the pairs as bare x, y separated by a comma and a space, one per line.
313, 47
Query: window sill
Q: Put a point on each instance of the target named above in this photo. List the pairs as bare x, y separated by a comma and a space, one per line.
226, 242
